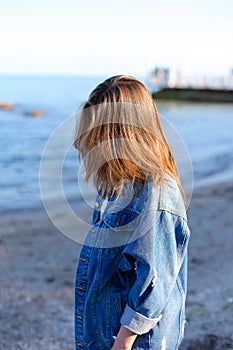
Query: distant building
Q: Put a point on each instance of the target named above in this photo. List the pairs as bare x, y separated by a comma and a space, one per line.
162, 78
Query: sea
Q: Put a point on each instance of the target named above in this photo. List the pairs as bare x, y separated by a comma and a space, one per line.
200, 135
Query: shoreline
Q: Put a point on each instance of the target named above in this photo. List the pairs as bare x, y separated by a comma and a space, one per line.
38, 265
216, 179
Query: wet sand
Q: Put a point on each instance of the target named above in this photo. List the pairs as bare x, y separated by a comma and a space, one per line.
37, 269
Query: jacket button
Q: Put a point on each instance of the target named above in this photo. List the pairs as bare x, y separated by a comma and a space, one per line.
118, 221
80, 344
96, 204
79, 317
81, 288
85, 260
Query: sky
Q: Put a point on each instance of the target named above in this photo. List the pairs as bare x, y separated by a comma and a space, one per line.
95, 37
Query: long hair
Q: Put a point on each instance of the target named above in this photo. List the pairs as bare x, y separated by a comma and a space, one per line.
120, 137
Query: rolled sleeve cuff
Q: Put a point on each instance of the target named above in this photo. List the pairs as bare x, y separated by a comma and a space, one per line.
136, 322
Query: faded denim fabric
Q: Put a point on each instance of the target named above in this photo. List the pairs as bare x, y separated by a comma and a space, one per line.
132, 270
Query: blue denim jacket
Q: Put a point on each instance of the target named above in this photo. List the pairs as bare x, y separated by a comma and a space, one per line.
132, 270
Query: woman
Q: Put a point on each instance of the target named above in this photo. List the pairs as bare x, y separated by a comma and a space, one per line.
130, 287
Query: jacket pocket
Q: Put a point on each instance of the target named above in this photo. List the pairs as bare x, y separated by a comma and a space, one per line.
118, 304
123, 220
116, 313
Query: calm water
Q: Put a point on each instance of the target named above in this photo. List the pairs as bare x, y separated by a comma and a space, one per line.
206, 130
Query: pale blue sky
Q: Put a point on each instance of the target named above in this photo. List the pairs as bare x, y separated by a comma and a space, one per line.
113, 37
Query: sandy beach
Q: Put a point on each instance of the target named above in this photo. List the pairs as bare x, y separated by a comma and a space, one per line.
37, 269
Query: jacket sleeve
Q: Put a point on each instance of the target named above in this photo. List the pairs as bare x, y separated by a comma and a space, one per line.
156, 250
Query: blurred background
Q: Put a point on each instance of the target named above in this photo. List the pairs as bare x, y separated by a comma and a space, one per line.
53, 53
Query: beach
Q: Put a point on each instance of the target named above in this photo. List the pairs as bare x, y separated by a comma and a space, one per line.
38, 263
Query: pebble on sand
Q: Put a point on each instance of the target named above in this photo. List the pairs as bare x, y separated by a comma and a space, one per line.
35, 113
6, 106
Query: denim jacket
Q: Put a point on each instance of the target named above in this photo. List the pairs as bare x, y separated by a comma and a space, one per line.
132, 270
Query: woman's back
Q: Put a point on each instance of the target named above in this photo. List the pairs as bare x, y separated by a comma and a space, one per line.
132, 270
131, 277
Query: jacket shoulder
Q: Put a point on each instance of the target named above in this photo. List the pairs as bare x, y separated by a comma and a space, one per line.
170, 198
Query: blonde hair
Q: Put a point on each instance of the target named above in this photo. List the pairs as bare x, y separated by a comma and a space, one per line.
120, 137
